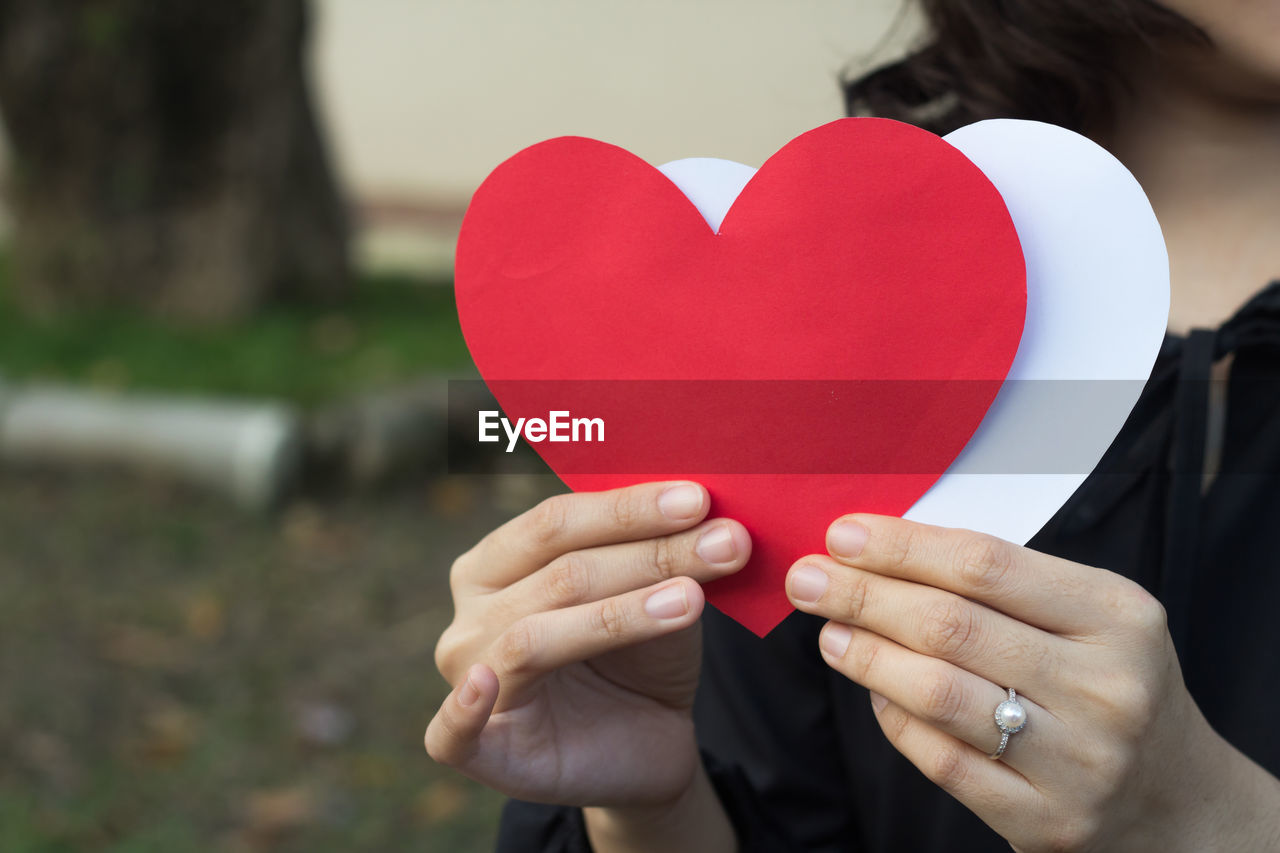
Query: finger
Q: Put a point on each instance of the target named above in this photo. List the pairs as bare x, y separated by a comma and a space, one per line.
930, 621
1050, 593
452, 736
990, 789
571, 522
711, 550
943, 695
537, 645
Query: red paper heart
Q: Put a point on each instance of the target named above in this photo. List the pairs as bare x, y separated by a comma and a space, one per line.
755, 358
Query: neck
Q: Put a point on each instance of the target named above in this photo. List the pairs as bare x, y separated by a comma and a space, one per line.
1209, 160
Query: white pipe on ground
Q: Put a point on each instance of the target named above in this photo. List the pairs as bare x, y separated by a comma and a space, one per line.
248, 451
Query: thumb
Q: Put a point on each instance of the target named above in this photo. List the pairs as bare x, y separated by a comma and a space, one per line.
452, 737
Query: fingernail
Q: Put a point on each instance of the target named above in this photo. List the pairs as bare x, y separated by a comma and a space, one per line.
807, 583
680, 503
878, 702
667, 603
716, 547
847, 538
469, 693
834, 639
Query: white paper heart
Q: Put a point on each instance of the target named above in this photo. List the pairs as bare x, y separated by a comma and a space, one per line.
1097, 309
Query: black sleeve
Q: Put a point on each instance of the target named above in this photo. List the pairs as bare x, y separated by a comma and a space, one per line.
768, 742
528, 827
767, 709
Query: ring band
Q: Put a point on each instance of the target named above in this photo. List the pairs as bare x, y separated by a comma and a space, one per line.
1011, 718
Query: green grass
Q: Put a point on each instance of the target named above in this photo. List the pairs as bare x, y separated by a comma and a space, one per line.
392, 328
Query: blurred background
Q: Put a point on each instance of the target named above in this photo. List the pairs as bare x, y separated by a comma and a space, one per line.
226, 331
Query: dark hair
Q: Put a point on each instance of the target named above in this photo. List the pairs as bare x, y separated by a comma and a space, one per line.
1059, 61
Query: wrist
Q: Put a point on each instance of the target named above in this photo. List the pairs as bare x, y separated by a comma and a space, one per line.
1238, 810
1225, 801
693, 820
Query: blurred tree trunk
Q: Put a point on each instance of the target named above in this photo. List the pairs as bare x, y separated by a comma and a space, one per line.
166, 155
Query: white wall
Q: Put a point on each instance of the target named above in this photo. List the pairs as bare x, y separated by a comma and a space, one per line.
424, 97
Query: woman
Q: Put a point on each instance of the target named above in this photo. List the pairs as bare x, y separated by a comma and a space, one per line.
1137, 628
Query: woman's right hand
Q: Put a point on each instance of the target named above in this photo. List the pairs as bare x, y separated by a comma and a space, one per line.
575, 647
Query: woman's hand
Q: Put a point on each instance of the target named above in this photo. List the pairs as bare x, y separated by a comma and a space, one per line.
1115, 754
575, 650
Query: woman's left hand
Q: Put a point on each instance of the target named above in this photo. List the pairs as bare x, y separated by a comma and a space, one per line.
1115, 754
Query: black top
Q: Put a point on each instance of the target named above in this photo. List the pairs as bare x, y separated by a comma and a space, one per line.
792, 747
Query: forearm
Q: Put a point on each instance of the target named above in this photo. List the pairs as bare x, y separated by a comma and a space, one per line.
697, 821
1213, 798
1238, 811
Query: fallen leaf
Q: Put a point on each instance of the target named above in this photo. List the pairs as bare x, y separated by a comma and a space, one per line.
440, 801
51, 757
170, 731
452, 497
206, 617
370, 770
303, 527
131, 645
278, 810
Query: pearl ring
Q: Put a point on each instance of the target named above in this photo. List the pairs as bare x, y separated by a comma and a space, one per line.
1011, 718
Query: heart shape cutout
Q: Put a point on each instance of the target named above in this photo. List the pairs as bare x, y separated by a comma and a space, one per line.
832, 347
1097, 310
